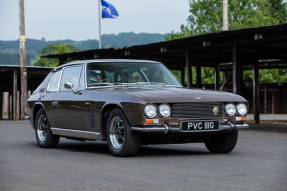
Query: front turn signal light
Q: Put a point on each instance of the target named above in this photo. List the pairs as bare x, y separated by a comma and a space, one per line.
240, 118
151, 121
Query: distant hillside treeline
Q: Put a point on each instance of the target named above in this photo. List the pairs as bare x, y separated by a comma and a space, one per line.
9, 50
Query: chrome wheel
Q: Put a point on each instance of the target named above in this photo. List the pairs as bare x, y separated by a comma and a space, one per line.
117, 132
42, 128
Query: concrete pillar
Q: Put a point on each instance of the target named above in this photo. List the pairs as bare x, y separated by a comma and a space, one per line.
237, 81
198, 73
188, 68
15, 96
256, 95
273, 101
182, 76
217, 77
265, 99
20, 104
1, 100
225, 77
9, 105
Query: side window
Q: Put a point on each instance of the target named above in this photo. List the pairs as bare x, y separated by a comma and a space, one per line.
54, 83
71, 75
81, 82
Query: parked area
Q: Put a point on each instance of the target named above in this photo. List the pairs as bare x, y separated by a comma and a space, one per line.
273, 117
257, 163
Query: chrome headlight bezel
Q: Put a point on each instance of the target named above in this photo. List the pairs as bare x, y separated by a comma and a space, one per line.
232, 114
147, 114
238, 111
159, 110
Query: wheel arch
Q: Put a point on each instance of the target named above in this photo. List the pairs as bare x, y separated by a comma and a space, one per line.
105, 115
36, 108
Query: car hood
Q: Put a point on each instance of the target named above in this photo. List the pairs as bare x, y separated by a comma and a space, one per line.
176, 94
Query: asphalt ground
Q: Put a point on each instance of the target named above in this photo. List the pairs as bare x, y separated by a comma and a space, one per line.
259, 162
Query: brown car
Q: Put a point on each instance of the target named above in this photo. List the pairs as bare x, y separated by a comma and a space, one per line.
129, 103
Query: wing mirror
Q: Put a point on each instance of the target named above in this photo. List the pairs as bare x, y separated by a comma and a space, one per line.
68, 85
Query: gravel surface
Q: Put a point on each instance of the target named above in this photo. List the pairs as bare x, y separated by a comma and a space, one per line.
259, 162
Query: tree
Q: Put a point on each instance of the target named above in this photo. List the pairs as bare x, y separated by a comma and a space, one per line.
57, 48
207, 16
278, 10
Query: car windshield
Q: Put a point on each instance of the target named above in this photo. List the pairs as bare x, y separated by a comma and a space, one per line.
129, 73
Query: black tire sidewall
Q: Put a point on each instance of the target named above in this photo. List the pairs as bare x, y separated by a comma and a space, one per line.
224, 143
131, 140
51, 140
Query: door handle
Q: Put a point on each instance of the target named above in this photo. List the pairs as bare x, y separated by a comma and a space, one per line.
55, 103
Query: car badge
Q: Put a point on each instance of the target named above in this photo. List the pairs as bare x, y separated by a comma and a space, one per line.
197, 97
215, 110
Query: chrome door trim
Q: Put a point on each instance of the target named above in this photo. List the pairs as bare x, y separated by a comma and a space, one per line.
67, 90
82, 70
77, 133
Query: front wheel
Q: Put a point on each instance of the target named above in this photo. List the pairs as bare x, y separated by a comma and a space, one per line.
44, 135
122, 141
224, 143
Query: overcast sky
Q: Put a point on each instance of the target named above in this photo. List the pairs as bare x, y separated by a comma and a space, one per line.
78, 19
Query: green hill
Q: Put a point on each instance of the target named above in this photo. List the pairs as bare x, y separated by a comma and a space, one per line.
9, 50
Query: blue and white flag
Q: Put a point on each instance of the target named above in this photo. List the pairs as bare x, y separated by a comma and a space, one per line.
108, 10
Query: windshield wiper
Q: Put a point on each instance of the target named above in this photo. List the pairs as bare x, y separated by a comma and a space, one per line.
147, 83
128, 84
111, 83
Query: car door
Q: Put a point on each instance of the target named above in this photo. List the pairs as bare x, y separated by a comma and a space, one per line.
68, 105
52, 88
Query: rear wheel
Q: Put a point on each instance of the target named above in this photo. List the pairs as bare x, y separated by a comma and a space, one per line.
44, 135
224, 143
122, 141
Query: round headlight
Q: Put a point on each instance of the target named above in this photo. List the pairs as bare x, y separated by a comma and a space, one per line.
150, 110
241, 109
230, 109
164, 110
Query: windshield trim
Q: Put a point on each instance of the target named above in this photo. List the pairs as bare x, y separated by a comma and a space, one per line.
173, 76
86, 84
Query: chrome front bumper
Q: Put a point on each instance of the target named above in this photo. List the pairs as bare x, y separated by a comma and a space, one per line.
177, 129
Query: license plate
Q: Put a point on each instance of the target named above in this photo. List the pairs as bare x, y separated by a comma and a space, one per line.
200, 125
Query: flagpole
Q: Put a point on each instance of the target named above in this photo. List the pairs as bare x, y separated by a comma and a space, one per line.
100, 17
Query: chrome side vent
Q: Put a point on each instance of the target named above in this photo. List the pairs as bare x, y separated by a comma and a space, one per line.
93, 113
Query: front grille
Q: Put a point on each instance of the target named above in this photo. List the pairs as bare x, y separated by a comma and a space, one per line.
195, 110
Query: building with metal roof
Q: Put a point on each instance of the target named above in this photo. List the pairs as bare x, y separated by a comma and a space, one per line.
249, 48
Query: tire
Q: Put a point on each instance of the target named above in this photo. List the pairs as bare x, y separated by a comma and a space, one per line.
44, 135
122, 141
224, 143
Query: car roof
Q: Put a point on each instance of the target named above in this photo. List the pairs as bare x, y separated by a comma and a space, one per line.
103, 60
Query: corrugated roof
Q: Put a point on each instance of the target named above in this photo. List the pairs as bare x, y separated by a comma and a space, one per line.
207, 36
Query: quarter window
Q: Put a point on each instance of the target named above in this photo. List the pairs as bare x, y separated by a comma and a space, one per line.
54, 83
70, 75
